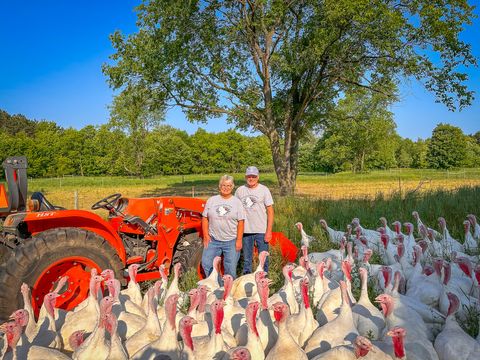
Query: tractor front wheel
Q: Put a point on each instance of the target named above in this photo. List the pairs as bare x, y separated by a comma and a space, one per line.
42, 260
188, 252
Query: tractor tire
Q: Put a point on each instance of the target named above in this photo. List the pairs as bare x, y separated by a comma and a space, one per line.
188, 251
5, 253
47, 256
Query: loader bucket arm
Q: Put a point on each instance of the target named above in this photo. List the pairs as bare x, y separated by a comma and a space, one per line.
16, 178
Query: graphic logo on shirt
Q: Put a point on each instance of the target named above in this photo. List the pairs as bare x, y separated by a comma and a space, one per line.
223, 210
249, 201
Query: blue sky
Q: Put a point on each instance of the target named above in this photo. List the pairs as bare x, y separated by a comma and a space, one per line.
51, 53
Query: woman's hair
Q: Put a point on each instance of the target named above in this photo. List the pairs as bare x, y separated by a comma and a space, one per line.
225, 178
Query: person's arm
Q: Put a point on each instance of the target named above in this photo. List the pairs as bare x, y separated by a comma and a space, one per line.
240, 227
268, 233
206, 235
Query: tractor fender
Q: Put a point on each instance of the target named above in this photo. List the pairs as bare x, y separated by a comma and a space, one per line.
288, 249
31, 223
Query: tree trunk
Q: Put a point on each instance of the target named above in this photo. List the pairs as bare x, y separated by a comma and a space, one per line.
362, 163
285, 164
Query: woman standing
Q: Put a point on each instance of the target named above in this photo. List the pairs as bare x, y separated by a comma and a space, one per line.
222, 226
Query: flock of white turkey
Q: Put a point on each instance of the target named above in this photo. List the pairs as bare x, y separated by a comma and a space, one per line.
426, 285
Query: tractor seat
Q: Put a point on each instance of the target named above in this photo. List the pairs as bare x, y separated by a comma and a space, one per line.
44, 204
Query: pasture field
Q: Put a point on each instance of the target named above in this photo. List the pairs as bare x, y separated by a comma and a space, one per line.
319, 185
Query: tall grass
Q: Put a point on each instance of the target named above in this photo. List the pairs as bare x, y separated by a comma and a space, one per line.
453, 205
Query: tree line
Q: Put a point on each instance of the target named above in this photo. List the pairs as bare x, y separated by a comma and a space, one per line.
108, 150
360, 134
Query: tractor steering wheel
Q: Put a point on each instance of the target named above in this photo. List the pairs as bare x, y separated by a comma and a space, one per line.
107, 203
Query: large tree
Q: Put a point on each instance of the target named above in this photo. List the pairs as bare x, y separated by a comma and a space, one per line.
137, 111
360, 133
447, 147
277, 66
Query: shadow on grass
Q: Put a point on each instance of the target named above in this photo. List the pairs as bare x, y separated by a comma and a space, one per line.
199, 188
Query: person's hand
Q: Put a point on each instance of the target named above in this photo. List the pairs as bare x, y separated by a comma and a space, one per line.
206, 240
238, 245
268, 236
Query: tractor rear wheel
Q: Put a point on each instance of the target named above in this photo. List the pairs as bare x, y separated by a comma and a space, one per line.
5, 252
42, 260
188, 251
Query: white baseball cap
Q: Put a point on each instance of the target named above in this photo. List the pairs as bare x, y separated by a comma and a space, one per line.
251, 170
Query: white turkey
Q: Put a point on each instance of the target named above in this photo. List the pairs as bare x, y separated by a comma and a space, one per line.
245, 286
87, 316
306, 239
453, 342
285, 347
386, 228
448, 243
167, 343
252, 342
150, 332
420, 223
334, 236
398, 315
213, 345
368, 319
471, 245
337, 332
303, 324
96, 345
475, 226
360, 348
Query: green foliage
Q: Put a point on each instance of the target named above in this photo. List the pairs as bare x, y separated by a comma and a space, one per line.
359, 134
228, 152
188, 280
135, 111
470, 323
472, 153
447, 147
476, 137
129, 146
419, 154
167, 152
14, 124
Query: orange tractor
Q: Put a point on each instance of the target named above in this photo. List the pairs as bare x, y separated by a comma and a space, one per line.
41, 242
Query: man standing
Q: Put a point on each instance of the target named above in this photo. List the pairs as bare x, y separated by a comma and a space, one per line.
258, 203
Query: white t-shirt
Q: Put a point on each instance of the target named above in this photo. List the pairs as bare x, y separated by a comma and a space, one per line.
255, 201
223, 216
